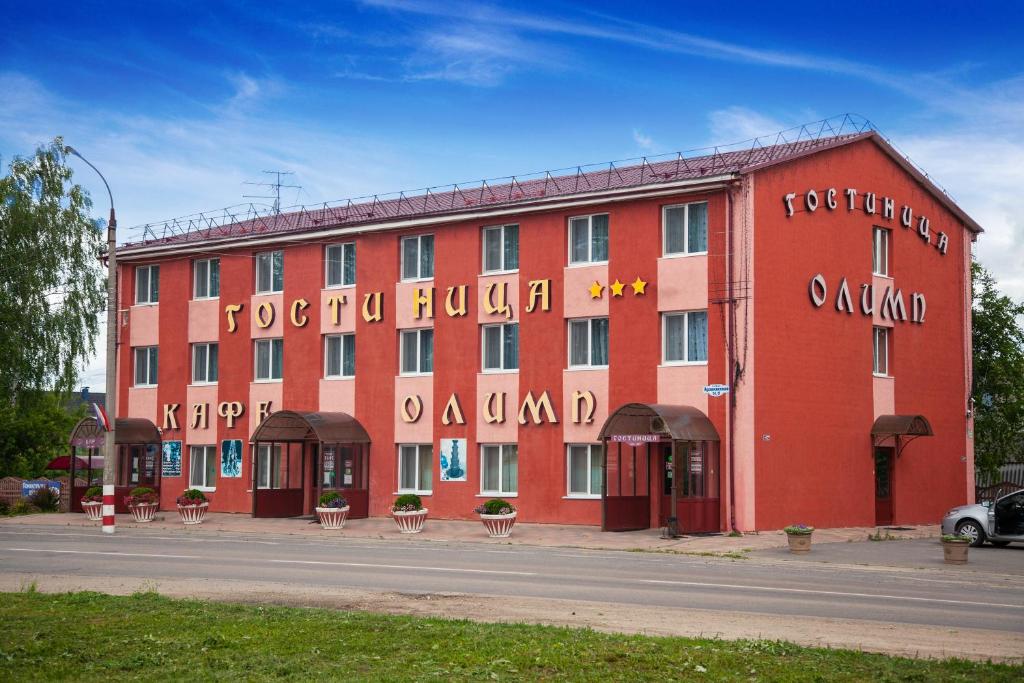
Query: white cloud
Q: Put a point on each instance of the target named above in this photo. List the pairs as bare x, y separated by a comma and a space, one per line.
737, 124
644, 142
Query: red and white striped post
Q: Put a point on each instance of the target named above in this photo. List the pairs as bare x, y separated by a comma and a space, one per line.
108, 508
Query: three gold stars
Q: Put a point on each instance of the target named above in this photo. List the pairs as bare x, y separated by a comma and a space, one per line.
616, 288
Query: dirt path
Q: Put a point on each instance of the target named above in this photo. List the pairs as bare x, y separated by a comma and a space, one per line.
904, 640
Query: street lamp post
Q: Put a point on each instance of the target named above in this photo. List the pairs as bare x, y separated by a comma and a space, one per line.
109, 449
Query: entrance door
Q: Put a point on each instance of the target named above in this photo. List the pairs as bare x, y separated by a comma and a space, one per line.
884, 461
698, 499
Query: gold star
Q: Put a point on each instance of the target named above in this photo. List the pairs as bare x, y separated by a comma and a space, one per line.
638, 285
596, 289
616, 287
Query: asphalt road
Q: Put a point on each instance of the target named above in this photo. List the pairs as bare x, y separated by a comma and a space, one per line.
898, 595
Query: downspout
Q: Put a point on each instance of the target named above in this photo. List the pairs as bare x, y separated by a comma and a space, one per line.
733, 374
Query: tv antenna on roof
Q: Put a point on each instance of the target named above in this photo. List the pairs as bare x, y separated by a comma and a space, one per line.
273, 186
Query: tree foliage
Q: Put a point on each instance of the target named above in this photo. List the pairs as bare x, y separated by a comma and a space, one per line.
998, 374
33, 433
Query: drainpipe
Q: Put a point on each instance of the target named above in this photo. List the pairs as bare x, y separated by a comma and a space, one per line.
732, 370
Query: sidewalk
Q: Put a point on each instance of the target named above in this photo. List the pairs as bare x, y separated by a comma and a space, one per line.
459, 531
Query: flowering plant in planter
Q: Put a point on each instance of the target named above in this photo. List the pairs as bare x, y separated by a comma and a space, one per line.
799, 536
192, 506
498, 516
954, 548
142, 502
92, 503
799, 530
409, 513
192, 497
954, 538
332, 510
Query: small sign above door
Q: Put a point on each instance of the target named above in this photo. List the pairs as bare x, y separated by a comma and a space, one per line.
635, 439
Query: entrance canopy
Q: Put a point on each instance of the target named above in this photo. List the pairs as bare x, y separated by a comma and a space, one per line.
290, 426
678, 423
127, 430
902, 429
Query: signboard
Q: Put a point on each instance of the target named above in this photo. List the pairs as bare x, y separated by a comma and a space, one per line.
30, 487
329, 476
716, 390
635, 439
453, 460
170, 459
231, 458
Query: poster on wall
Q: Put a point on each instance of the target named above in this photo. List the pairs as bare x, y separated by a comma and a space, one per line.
170, 460
453, 460
231, 458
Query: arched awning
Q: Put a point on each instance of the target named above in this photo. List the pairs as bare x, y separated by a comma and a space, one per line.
902, 429
288, 425
683, 423
127, 430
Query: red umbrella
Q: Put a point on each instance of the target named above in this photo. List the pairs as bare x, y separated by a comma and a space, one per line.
64, 463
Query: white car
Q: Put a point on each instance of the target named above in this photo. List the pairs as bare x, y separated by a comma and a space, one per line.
1000, 523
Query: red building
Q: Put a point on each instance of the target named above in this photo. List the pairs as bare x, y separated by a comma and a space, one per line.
534, 326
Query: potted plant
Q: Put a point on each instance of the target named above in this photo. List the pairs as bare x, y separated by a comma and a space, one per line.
332, 511
409, 513
192, 506
142, 502
92, 503
799, 536
498, 516
954, 548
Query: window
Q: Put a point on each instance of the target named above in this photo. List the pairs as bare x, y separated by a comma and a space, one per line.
269, 359
202, 469
416, 468
881, 351
147, 284
685, 337
417, 352
588, 239
501, 347
418, 257
145, 366
880, 252
499, 469
206, 273
268, 476
686, 229
588, 343
340, 360
341, 265
204, 363
584, 470
501, 248
270, 272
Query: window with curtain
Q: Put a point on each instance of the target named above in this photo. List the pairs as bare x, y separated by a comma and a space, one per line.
340, 360
499, 469
584, 470
204, 363
268, 475
206, 278
685, 337
501, 248
501, 347
880, 252
415, 468
418, 257
881, 351
202, 467
588, 343
270, 272
147, 284
685, 229
269, 359
588, 239
340, 260
146, 358
417, 351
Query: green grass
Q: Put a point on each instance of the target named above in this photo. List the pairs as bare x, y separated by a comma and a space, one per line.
94, 637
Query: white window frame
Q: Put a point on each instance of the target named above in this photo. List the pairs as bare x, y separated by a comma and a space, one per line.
665, 253
275, 452
256, 362
195, 347
499, 492
207, 454
345, 247
881, 241
149, 300
149, 352
875, 345
686, 337
590, 343
590, 239
501, 349
209, 279
341, 355
271, 261
592, 449
419, 458
483, 250
419, 249
418, 332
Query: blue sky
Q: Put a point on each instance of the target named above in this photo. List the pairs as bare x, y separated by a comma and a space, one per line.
181, 103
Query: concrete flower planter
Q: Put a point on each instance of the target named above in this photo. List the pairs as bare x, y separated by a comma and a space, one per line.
799, 543
93, 510
332, 518
955, 552
193, 514
143, 512
499, 526
410, 522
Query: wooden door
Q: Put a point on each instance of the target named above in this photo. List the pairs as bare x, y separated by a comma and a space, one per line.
884, 461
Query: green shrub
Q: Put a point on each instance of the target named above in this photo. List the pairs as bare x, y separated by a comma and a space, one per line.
46, 499
954, 538
141, 495
495, 506
5, 507
23, 507
799, 530
192, 497
93, 494
332, 499
407, 502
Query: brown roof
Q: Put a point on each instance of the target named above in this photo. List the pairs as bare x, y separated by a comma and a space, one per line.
288, 425
685, 423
